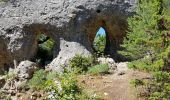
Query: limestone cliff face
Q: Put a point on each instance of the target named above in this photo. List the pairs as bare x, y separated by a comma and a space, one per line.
71, 23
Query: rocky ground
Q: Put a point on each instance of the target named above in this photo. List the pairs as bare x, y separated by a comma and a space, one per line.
115, 86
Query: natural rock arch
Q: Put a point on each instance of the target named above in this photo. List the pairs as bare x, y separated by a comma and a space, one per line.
115, 31
71, 23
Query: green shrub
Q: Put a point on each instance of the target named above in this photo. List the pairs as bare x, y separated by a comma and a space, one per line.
4, 96
62, 86
51, 75
41, 38
67, 89
10, 76
136, 82
38, 80
23, 86
159, 86
141, 65
81, 62
69, 86
45, 49
99, 69
99, 44
47, 46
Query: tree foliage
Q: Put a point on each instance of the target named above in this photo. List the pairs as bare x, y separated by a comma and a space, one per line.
99, 43
148, 43
45, 49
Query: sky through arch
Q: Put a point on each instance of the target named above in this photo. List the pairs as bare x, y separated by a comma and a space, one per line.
101, 31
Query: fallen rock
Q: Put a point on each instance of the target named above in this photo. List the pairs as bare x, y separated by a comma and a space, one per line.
25, 70
122, 68
109, 61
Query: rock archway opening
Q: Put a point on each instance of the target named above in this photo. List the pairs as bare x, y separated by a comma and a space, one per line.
99, 43
107, 41
45, 50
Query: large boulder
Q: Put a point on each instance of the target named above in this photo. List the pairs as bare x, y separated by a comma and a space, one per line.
71, 23
25, 70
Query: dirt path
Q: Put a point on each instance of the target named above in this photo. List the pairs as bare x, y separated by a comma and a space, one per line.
115, 86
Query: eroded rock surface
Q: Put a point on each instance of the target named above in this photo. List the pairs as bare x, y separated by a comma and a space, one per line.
71, 23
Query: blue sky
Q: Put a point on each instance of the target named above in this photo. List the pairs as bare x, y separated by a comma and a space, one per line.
101, 31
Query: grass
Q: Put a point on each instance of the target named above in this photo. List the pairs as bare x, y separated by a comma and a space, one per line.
136, 82
81, 62
38, 80
99, 69
10, 76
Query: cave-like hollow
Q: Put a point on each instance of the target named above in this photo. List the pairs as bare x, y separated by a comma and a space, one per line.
45, 49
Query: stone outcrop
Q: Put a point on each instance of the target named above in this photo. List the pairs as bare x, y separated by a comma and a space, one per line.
72, 24
25, 70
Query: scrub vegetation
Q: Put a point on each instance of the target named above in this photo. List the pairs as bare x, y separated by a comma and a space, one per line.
64, 86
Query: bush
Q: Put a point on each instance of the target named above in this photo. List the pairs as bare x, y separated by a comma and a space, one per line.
67, 88
136, 82
61, 86
99, 69
4, 96
159, 86
45, 49
81, 62
10, 76
51, 75
38, 80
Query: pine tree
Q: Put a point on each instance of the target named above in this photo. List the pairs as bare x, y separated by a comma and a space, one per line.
148, 44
